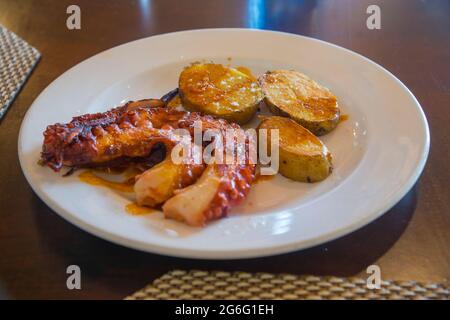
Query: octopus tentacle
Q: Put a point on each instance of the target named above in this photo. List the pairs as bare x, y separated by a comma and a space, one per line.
132, 133
159, 183
219, 188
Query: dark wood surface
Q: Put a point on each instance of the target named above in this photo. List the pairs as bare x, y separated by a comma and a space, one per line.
410, 242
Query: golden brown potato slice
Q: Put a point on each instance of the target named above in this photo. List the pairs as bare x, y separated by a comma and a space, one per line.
302, 156
293, 94
220, 91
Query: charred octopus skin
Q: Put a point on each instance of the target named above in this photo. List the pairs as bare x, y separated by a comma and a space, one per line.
127, 132
104, 138
192, 193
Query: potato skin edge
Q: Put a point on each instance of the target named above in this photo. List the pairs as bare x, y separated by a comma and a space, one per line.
319, 128
240, 116
304, 168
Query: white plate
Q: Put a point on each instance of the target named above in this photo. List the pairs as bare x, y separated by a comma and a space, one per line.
379, 152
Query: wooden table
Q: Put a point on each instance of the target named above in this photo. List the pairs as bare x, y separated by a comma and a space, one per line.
411, 241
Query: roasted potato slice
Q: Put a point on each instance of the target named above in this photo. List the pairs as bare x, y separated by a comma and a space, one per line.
219, 91
293, 94
302, 156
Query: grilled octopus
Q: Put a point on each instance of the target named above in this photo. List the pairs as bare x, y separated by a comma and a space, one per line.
145, 131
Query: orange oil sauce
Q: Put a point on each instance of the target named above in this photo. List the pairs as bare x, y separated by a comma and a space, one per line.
343, 117
137, 210
259, 178
246, 71
126, 186
91, 178
109, 170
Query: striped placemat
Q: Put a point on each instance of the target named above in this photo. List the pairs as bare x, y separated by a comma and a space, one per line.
17, 60
196, 284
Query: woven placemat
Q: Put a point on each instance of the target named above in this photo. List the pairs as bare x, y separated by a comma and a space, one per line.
17, 60
195, 284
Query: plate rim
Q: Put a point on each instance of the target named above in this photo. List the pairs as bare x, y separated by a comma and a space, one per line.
249, 252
